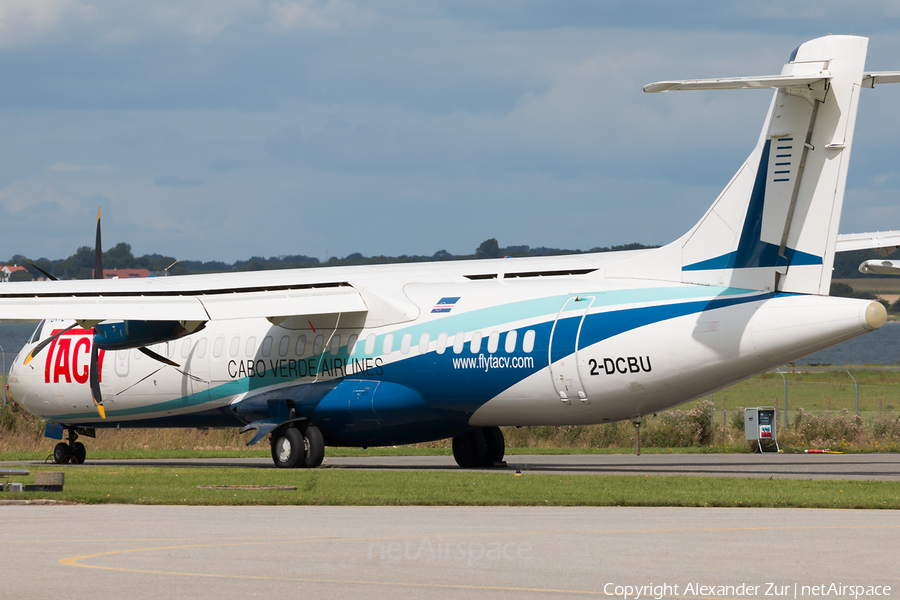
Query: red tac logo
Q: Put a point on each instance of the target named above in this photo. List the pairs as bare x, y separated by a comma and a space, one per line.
69, 357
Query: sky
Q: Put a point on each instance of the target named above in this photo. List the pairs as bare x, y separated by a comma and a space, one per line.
225, 129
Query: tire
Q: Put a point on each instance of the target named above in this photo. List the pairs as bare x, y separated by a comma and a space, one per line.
288, 448
496, 446
79, 453
470, 450
61, 453
315, 446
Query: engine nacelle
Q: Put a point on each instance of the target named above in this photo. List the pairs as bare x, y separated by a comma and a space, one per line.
122, 335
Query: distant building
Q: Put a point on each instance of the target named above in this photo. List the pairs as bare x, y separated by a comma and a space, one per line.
7, 271
125, 273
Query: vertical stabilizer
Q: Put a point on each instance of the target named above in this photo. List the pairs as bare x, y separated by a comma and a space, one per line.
775, 224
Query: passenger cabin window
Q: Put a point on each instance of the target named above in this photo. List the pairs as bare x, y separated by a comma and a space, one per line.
511, 341
201, 348
217, 346
405, 343
528, 341
370, 344
300, 349
475, 344
186, 348
441, 342
351, 344
235, 346
283, 344
317, 345
267, 345
493, 341
423, 343
459, 340
335, 345
251, 346
388, 345
170, 349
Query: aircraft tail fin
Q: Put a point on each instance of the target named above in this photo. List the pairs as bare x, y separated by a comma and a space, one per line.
774, 226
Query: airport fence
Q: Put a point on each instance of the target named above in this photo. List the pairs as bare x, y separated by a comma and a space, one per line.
792, 393
4, 395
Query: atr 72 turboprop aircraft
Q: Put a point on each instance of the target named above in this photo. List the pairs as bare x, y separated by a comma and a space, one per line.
397, 354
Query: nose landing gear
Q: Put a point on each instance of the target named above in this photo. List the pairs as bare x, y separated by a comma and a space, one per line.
71, 453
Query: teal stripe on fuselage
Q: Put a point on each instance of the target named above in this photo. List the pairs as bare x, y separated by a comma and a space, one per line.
494, 317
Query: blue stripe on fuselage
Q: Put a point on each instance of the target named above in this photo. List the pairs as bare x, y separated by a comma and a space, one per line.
454, 392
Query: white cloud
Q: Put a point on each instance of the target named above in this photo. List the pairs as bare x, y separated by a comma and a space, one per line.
246, 120
25, 22
326, 16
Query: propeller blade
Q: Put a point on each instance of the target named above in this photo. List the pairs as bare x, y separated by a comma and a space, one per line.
159, 357
95, 373
34, 352
98, 251
95, 382
43, 272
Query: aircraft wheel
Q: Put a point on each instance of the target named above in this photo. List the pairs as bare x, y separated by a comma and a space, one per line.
61, 453
79, 453
470, 450
315, 446
496, 446
288, 448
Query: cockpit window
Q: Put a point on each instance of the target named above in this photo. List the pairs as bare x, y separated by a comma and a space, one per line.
37, 333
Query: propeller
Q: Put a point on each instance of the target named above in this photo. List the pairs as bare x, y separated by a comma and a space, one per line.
43, 272
94, 368
148, 352
95, 371
34, 351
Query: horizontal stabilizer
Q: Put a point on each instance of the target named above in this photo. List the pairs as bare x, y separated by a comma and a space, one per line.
740, 83
882, 242
870, 80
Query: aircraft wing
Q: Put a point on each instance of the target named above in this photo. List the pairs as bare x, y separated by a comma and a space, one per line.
190, 298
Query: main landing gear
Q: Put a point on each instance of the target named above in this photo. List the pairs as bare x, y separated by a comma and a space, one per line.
299, 446
481, 448
71, 453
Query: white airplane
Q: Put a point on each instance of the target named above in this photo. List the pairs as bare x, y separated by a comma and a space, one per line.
398, 354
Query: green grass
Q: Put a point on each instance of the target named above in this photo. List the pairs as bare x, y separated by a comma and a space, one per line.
874, 285
163, 485
100, 455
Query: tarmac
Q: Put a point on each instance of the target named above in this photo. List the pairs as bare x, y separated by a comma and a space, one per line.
882, 467
144, 552
151, 552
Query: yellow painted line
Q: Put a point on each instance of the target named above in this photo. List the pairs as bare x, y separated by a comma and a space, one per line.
75, 561
459, 535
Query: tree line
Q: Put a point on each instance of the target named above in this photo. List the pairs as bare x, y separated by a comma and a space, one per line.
80, 265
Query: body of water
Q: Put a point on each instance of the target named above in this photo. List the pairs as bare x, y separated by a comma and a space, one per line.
13, 335
879, 347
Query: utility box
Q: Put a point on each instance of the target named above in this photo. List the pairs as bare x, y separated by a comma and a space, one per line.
759, 425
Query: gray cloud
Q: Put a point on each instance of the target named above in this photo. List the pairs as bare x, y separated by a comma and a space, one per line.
398, 127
